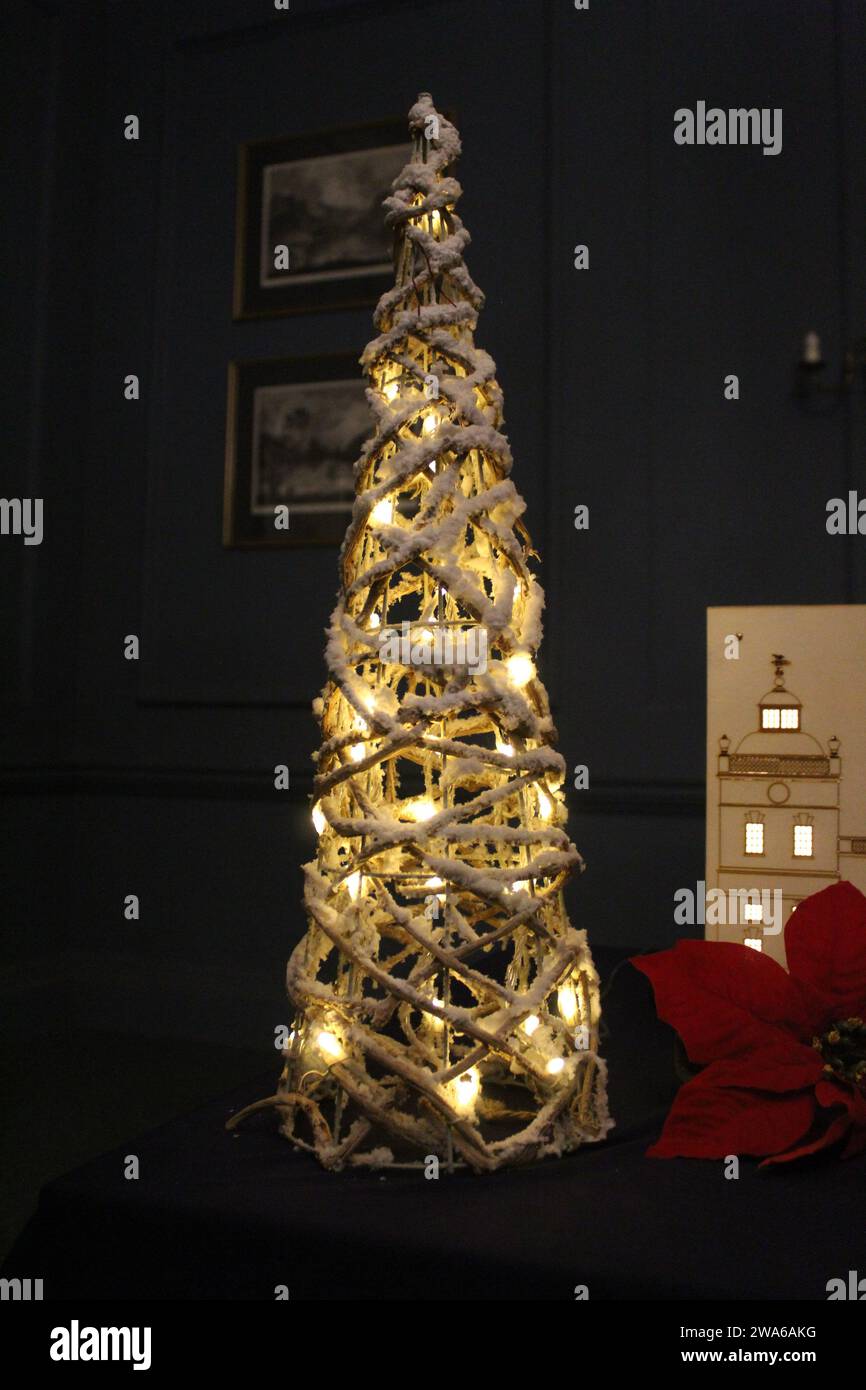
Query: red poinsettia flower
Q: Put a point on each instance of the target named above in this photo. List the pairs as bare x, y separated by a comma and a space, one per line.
783, 1053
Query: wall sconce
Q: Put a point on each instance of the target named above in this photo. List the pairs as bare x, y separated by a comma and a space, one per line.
811, 385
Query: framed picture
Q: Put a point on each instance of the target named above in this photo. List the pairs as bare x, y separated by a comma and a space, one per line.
310, 232
295, 428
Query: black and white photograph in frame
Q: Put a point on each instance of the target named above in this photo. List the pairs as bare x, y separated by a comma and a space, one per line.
310, 230
295, 428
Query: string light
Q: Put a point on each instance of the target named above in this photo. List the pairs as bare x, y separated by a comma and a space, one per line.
466, 1087
319, 820
545, 805
506, 748
383, 512
530, 1024
520, 668
353, 883
555, 1066
566, 1002
330, 1044
356, 752
420, 809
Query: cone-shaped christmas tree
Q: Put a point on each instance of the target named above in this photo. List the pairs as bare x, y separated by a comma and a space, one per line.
445, 1006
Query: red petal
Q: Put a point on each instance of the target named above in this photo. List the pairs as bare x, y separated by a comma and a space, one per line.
789, 1068
825, 942
834, 1131
709, 1121
726, 1000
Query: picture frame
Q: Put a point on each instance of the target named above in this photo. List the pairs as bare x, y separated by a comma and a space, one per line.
318, 197
294, 428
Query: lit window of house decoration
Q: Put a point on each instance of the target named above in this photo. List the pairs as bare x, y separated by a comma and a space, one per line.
780, 710
756, 943
803, 831
753, 913
460, 1023
754, 835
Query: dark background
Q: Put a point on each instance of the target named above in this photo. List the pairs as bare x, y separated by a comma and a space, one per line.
156, 777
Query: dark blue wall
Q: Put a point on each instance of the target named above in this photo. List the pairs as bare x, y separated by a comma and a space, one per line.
156, 778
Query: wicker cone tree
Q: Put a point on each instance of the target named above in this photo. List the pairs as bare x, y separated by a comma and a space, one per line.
445, 1006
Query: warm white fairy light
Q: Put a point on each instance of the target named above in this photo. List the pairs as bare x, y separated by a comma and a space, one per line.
353, 883
545, 805
357, 751
520, 668
375, 620
329, 1044
429, 423
421, 809
520, 886
530, 1024
507, 749
319, 820
465, 1088
382, 513
566, 1002
555, 1066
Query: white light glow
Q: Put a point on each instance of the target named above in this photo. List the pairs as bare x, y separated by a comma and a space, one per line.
520, 668
555, 1066
419, 810
330, 1044
530, 1024
521, 886
466, 1089
383, 512
754, 942
429, 423
353, 883
357, 751
391, 390
319, 820
505, 748
566, 1001
753, 912
545, 805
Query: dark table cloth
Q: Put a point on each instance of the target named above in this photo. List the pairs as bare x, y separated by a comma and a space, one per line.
233, 1217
